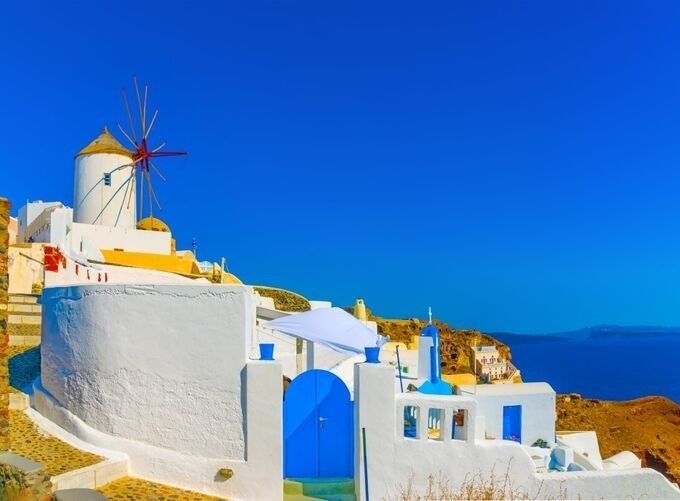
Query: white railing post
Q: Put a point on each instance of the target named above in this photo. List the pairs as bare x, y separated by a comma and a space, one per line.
422, 421
448, 415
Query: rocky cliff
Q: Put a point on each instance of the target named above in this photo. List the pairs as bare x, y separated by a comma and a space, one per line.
649, 427
455, 343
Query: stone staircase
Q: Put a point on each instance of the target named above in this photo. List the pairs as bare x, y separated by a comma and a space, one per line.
317, 489
24, 318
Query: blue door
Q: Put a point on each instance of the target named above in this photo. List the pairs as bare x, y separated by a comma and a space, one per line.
512, 423
318, 427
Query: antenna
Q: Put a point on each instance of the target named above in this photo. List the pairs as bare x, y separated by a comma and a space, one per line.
429, 312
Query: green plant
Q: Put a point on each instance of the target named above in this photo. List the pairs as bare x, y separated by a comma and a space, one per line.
540, 443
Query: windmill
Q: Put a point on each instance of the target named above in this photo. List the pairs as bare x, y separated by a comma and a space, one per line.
142, 153
107, 173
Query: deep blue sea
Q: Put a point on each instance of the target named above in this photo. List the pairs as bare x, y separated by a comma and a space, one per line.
597, 365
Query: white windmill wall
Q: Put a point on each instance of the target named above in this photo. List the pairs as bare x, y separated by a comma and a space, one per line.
90, 170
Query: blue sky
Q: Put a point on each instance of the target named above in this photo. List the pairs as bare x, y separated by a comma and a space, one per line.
513, 164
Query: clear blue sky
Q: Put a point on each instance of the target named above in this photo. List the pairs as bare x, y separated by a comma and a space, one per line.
516, 165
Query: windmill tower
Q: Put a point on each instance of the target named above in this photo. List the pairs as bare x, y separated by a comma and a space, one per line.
104, 170
106, 173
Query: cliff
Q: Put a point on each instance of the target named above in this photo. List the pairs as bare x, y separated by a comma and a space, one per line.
648, 427
455, 343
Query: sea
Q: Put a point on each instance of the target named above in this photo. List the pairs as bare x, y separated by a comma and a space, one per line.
604, 362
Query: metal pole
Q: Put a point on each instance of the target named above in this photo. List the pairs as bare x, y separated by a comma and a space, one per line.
401, 381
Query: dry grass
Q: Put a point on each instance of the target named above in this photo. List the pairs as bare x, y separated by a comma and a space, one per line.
475, 487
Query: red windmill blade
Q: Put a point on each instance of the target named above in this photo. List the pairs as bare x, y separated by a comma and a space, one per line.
142, 152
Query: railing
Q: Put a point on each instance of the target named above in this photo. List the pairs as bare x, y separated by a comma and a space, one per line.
446, 418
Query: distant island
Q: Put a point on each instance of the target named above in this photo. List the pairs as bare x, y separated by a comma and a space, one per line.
594, 332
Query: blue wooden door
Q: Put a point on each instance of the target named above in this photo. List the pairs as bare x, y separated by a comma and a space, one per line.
512, 423
318, 427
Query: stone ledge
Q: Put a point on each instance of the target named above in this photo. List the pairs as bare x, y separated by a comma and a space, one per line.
29, 309
24, 319
25, 299
21, 478
24, 340
92, 477
18, 401
20, 462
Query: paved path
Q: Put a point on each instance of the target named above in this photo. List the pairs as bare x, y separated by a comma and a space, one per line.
56, 456
129, 488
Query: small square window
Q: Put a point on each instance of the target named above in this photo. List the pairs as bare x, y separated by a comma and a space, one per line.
107, 179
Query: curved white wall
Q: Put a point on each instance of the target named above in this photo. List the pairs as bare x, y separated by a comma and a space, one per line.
89, 171
161, 364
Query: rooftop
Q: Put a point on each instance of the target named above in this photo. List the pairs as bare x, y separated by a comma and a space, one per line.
506, 389
105, 143
485, 348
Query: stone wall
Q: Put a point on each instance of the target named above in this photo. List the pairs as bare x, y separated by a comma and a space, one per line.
18, 485
4, 337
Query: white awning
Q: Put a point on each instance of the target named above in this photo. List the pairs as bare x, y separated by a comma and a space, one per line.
332, 327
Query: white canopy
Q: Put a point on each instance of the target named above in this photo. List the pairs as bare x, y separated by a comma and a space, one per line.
332, 327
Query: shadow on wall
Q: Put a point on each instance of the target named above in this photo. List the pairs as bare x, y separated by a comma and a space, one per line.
244, 410
24, 368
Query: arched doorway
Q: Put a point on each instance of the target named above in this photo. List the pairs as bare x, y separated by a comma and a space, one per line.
318, 427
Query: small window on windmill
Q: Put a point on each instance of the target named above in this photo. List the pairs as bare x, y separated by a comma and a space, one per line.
107, 179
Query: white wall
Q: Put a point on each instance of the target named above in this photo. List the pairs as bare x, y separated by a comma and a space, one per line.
586, 448
80, 272
127, 239
31, 210
40, 228
61, 226
24, 268
91, 195
393, 459
160, 364
160, 373
538, 414
57, 226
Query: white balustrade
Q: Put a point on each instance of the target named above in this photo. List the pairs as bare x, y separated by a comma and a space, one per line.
434, 416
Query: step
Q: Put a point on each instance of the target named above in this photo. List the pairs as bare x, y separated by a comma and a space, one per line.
299, 497
325, 497
19, 401
23, 298
24, 340
338, 489
78, 494
25, 319
19, 462
25, 308
92, 477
